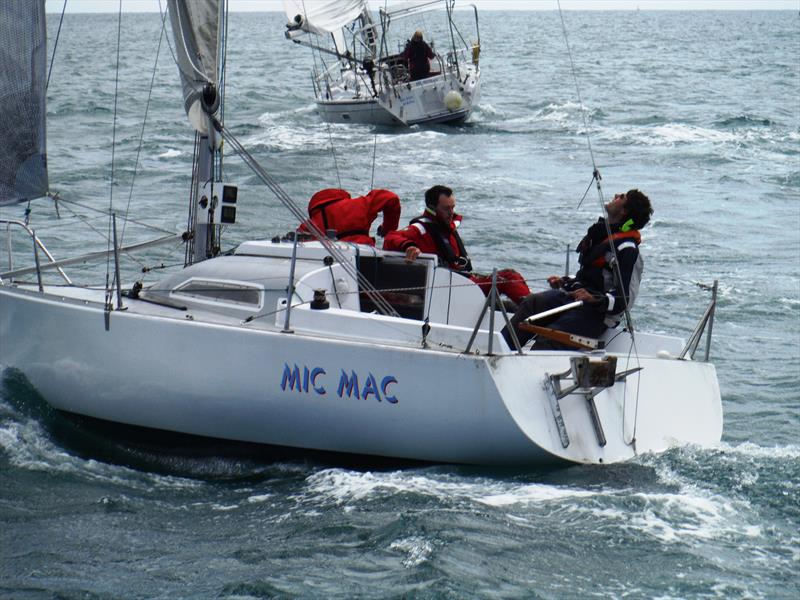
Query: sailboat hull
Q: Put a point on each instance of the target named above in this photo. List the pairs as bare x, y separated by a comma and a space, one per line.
438, 99
311, 391
370, 112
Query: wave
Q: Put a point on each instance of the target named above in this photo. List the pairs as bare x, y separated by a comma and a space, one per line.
649, 120
486, 110
789, 452
743, 121
170, 153
417, 550
35, 437
28, 446
546, 116
678, 132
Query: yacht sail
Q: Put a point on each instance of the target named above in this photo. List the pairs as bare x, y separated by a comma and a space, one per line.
196, 28
23, 80
324, 17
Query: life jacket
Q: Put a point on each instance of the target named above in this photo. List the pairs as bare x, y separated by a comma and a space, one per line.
596, 255
433, 228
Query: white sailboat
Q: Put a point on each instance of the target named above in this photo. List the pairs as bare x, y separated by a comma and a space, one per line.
360, 74
317, 345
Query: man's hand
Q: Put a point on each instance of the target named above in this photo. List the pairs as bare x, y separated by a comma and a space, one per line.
586, 296
412, 252
554, 281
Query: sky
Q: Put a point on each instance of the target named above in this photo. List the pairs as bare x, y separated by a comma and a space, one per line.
79, 6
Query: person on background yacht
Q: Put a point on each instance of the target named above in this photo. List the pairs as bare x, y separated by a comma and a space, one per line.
417, 55
352, 218
604, 297
436, 232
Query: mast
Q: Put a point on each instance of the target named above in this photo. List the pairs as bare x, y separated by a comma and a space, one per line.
198, 29
206, 186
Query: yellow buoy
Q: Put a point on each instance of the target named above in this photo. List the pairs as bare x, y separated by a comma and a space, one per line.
453, 100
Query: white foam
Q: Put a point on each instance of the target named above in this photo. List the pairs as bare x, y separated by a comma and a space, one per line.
347, 486
258, 499
287, 138
28, 447
690, 514
676, 132
527, 494
417, 550
171, 153
281, 116
486, 109
671, 133
788, 452
686, 515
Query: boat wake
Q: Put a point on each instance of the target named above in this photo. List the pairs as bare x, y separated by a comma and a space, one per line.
37, 437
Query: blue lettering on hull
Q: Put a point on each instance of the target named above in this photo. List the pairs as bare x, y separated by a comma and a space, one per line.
311, 380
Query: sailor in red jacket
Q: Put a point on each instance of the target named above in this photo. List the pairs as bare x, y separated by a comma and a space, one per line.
436, 232
352, 217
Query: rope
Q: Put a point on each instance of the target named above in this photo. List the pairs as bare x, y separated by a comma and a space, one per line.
374, 150
86, 222
374, 295
577, 87
55, 45
107, 214
333, 153
614, 262
144, 123
588, 187
596, 174
113, 154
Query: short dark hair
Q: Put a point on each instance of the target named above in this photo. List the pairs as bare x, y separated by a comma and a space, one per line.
638, 208
432, 195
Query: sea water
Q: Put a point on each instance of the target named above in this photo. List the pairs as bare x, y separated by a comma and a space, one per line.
698, 109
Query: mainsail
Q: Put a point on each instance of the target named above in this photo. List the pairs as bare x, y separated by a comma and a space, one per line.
23, 82
196, 29
324, 16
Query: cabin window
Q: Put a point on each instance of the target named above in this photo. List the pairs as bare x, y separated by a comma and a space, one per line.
220, 291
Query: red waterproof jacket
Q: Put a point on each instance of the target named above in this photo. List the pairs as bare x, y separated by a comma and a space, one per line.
352, 217
416, 234
421, 232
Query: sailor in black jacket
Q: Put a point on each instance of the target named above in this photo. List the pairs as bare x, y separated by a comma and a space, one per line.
605, 290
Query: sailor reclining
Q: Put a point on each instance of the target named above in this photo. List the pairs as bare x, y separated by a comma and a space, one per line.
604, 298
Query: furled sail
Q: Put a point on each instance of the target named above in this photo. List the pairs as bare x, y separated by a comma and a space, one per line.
23, 79
196, 27
323, 16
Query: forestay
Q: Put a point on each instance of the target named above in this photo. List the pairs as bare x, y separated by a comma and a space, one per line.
196, 26
23, 82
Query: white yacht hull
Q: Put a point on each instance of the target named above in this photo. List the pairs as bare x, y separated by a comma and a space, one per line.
370, 112
291, 389
425, 101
